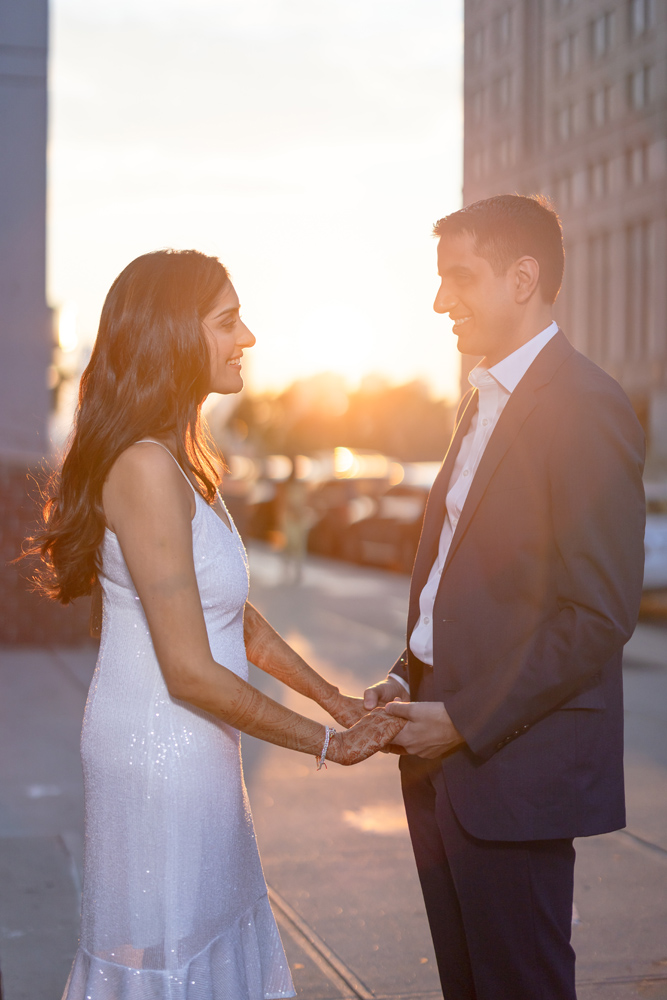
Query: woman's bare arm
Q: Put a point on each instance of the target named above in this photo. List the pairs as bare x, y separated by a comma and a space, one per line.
149, 506
269, 651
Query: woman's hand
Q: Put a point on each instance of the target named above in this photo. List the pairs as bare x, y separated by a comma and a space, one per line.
373, 732
345, 709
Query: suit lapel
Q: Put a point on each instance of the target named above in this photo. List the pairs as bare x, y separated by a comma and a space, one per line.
520, 404
434, 513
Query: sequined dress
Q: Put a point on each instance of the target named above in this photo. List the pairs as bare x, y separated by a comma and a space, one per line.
175, 904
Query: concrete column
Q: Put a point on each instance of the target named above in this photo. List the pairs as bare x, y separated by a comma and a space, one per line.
618, 334
659, 291
25, 335
577, 265
658, 342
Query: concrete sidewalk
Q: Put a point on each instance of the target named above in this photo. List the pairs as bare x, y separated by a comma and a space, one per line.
334, 844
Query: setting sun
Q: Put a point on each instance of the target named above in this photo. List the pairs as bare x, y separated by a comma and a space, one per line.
316, 183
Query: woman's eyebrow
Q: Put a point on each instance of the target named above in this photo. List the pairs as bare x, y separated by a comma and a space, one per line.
227, 312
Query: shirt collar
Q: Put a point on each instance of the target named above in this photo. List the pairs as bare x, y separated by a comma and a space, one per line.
509, 372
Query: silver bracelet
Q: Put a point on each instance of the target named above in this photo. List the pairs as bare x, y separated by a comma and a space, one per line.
330, 731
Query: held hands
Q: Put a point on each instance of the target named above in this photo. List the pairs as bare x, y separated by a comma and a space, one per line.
429, 732
383, 693
347, 710
373, 732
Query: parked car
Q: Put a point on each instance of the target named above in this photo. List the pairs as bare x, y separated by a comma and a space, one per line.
655, 539
390, 534
339, 504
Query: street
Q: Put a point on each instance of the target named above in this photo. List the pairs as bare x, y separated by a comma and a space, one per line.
334, 843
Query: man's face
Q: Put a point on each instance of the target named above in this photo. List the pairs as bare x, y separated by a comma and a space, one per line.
481, 303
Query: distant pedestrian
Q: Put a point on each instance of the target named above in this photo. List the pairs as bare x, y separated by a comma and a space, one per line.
175, 905
294, 517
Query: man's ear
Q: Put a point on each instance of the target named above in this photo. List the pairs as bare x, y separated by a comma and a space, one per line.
526, 279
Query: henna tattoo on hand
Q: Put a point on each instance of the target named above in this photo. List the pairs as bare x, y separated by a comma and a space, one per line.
254, 713
373, 732
269, 651
346, 710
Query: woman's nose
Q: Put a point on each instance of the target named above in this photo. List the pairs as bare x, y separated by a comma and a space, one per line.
247, 339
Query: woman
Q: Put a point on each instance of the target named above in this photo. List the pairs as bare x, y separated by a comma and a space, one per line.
174, 902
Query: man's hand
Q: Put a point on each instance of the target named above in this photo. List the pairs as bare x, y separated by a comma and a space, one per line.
383, 693
429, 732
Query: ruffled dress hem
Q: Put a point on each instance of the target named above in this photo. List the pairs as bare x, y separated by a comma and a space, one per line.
246, 962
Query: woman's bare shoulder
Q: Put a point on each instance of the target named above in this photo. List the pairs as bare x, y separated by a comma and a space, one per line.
145, 462
145, 475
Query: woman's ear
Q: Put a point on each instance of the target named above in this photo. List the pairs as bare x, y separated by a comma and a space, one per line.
526, 279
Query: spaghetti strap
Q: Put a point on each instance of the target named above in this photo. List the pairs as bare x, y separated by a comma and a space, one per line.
160, 445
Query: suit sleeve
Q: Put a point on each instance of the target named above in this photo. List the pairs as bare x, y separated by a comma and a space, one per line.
598, 514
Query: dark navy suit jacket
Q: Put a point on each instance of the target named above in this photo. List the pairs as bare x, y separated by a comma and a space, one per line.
539, 593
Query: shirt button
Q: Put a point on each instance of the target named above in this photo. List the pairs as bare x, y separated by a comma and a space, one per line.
426, 620
466, 472
484, 423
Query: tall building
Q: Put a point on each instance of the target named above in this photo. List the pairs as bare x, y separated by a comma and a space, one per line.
569, 98
25, 321
25, 334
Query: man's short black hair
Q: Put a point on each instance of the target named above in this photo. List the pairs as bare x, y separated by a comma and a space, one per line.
509, 226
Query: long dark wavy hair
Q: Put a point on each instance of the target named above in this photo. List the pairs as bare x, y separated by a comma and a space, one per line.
147, 376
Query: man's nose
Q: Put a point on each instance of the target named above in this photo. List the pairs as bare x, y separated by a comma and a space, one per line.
444, 300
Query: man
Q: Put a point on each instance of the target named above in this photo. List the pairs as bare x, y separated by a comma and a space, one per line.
526, 586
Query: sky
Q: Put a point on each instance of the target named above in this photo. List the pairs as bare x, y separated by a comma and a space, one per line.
310, 145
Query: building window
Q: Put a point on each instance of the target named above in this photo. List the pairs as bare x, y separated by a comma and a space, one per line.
504, 92
477, 106
601, 34
638, 288
477, 46
600, 106
565, 123
598, 179
504, 28
598, 296
564, 191
637, 165
506, 152
565, 56
642, 16
640, 86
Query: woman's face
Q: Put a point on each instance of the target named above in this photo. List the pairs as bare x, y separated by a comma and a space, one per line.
227, 335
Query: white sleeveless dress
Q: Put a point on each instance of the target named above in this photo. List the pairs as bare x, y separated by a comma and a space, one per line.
175, 904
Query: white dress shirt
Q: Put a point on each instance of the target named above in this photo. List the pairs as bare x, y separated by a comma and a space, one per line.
495, 386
